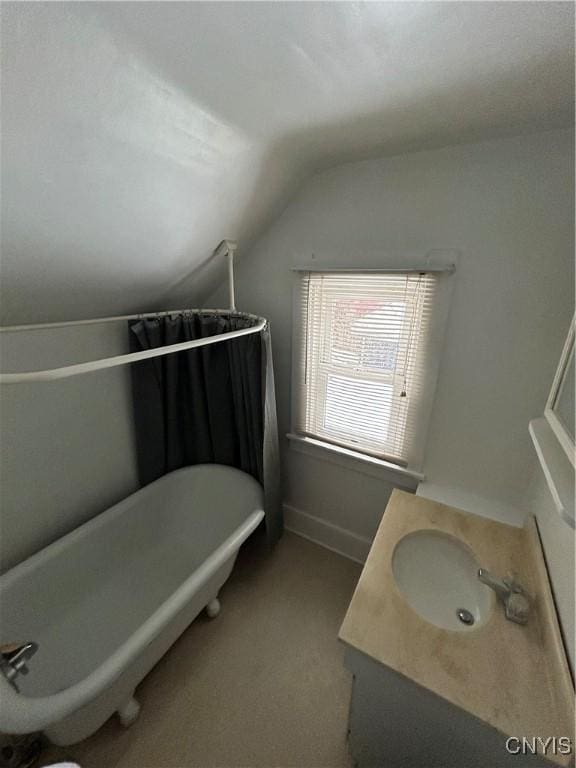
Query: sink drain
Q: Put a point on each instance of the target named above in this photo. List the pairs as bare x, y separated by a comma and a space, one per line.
465, 616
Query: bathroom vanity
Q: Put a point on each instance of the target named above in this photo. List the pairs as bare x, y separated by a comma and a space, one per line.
441, 677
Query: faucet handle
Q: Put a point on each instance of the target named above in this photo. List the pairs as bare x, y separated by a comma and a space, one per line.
519, 603
516, 601
14, 657
13, 660
517, 607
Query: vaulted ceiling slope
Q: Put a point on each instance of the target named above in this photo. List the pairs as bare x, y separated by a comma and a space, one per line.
137, 135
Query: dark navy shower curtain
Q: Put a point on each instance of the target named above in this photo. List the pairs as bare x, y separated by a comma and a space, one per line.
214, 404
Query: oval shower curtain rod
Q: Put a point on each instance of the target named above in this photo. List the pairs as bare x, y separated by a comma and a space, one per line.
132, 357
225, 248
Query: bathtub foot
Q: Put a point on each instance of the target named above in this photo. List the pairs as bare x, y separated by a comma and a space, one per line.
128, 712
213, 608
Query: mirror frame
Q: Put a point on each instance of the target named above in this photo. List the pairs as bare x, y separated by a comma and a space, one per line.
562, 435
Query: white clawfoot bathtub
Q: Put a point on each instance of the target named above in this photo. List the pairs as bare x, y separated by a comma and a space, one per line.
107, 601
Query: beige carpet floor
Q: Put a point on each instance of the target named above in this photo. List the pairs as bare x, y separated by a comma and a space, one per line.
262, 686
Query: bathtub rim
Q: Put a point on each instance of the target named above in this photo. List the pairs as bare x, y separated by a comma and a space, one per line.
100, 519
24, 714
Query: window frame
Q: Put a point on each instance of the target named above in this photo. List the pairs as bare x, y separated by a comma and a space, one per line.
346, 455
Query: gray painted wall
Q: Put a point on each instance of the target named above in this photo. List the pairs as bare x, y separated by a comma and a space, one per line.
67, 450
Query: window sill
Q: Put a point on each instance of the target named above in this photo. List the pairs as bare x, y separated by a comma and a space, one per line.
355, 461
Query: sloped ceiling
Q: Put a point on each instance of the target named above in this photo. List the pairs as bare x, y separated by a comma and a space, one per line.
137, 135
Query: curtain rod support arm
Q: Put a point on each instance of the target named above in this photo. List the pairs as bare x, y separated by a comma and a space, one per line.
227, 248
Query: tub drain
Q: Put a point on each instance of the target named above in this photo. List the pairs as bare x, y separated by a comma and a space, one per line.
465, 616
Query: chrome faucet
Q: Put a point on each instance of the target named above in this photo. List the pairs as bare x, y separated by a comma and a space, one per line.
511, 593
13, 660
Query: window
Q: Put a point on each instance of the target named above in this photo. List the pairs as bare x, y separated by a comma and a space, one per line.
365, 362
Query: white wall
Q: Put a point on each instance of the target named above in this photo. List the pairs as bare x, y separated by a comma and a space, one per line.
507, 207
559, 541
67, 448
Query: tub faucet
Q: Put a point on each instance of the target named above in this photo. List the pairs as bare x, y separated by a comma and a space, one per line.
13, 660
511, 593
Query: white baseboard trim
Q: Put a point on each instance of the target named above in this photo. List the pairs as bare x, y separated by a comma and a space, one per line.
326, 534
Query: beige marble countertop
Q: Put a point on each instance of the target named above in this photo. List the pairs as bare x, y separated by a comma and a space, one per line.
514, 678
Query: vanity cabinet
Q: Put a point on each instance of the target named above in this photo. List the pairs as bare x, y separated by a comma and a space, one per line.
431, 693
395, 723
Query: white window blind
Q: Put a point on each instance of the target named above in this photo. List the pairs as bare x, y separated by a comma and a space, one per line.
364, 363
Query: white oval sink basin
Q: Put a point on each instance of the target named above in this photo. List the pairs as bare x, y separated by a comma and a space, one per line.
438, 576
